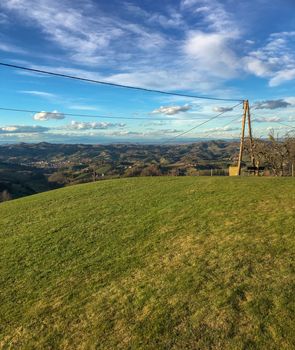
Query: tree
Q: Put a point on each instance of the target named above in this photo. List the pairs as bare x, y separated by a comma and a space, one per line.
5, 196
277, 154
151, 170
290, 144
133, 171
58, 178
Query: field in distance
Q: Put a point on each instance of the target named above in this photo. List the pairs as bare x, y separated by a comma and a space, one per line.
150, 263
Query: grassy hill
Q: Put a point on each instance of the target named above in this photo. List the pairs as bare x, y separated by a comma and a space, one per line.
150, 263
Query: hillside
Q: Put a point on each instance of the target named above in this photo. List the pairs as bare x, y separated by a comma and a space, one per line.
150, 263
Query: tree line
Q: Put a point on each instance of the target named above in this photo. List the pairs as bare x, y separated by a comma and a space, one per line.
276, 155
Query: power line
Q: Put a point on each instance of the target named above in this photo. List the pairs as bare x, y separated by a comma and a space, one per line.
94, 116
115, 84
205, 122
289, 126
225, 125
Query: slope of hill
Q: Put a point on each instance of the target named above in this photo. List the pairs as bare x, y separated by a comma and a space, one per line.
150, 263
20, 180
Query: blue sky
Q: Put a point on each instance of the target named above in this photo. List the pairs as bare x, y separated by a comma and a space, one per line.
229, 49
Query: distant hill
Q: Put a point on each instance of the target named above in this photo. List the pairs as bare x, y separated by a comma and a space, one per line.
31, 168
208, 150
150, 263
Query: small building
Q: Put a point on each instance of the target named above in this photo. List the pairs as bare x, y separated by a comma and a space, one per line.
233, 171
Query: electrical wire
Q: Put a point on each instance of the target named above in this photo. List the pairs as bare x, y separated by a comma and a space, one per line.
227, 124
95, 116
116, 84
287, 125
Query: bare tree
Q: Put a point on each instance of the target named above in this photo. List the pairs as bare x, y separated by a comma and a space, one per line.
277, 154
5, 196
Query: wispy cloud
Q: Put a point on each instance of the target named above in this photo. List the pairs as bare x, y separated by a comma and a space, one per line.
86, 40
93, 125
275, 60
44, 94
212, 15
272, 104
83, 107
127, 48
139, 46
222, 109
267, 119
221, 129
22, 129
3, 18
6, 47
171, 110
42, 116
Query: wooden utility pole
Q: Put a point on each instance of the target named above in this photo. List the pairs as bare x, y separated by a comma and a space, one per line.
246, 115
242, 137
250, 137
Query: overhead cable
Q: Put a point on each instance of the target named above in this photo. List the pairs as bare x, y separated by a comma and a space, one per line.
41, 71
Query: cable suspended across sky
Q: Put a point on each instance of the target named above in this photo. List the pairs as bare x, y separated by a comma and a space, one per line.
116, 84
99, 116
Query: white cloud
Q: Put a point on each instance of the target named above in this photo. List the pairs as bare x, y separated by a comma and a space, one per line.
250, 42
48, 115
222, 109
128, 46
272, 104
3, 18
85, 39
257, 67
44, 94
22, 129
145, 134
212, 53
197, 57
275, 60
174, 19
221, 129
11, 48
213, 14
267, 119
94, 125
290, 99
171, 110
212, 49
84, 107
282, 76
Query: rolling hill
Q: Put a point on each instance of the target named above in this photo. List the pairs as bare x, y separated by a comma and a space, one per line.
30, 168
150, 263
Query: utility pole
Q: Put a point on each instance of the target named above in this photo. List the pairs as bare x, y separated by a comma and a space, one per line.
246, 115
250, 137
242, 136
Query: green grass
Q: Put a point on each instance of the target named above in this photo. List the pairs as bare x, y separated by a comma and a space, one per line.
150, 263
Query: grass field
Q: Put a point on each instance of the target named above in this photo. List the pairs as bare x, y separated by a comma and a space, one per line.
150, 263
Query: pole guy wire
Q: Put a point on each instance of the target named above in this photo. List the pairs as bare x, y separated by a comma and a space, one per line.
199, 125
